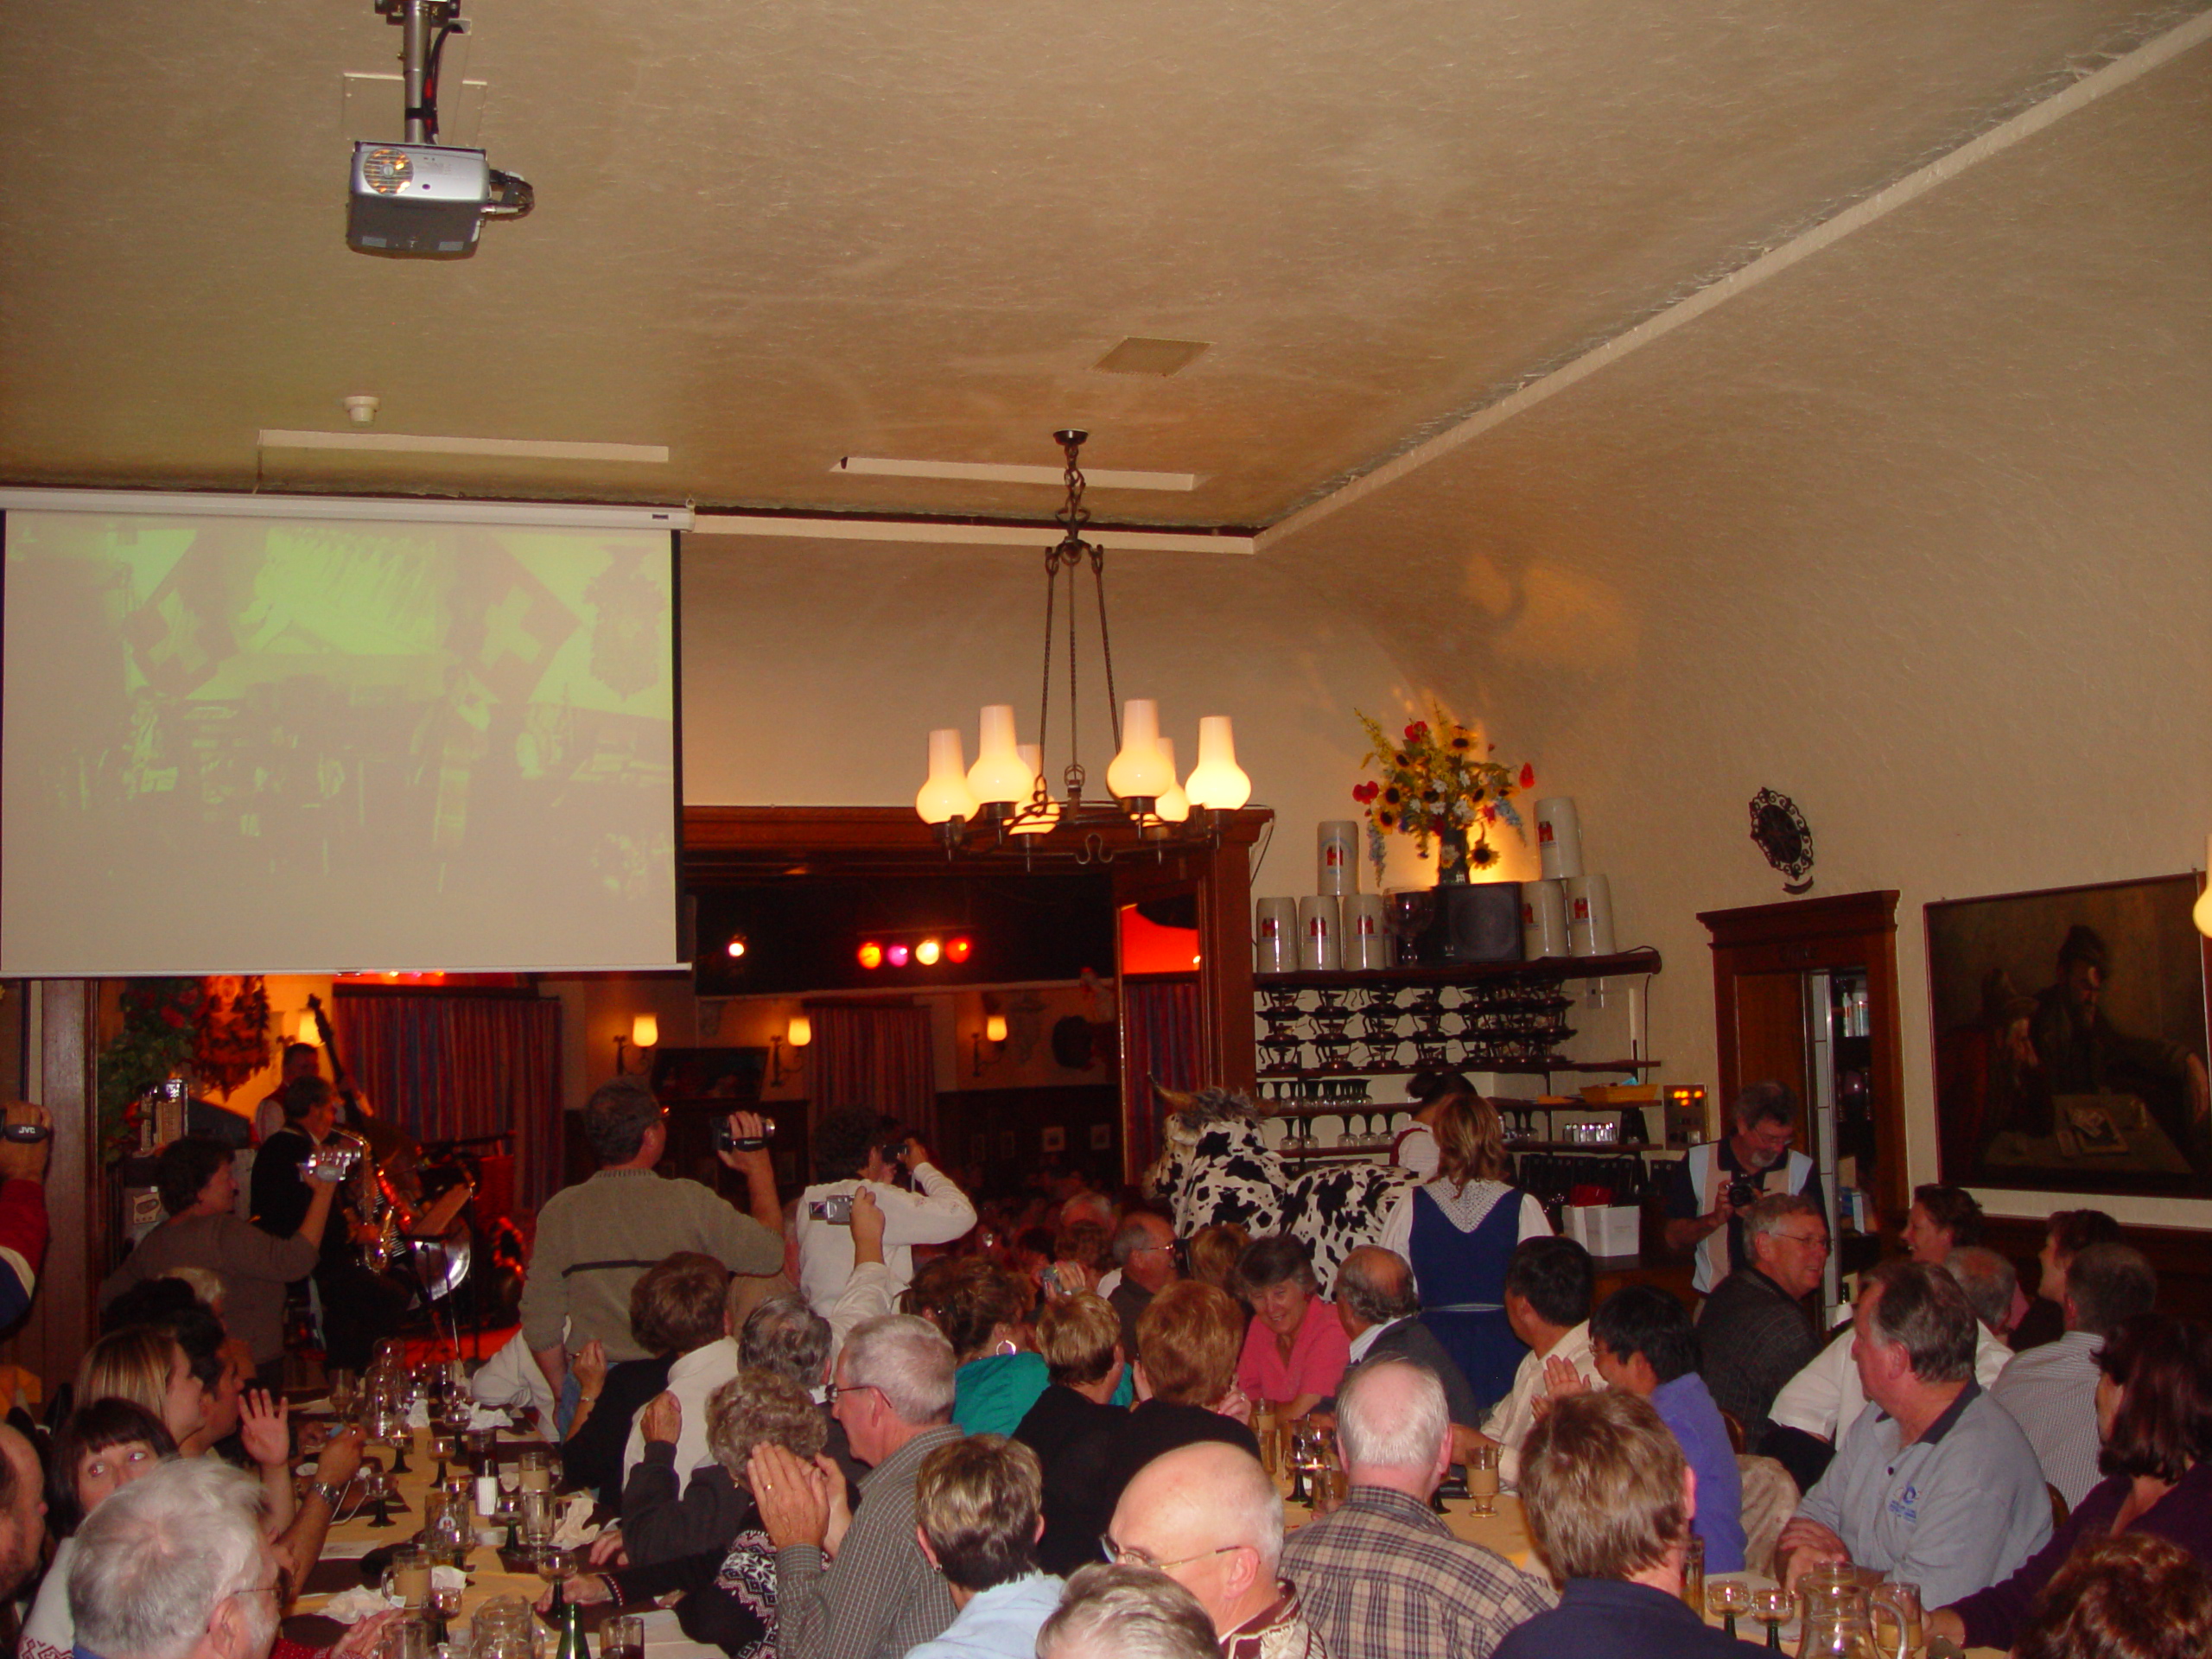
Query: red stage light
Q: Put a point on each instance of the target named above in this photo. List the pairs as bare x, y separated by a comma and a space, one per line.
897, 955
871, 955
958, 949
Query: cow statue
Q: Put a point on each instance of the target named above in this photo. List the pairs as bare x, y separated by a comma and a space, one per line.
1216, 1167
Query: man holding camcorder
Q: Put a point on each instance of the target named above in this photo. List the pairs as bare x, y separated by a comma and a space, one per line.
853, 1148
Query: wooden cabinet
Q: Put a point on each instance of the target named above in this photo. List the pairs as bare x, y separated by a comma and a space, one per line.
1770, 963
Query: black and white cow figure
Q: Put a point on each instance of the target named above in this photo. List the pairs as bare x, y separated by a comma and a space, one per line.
1216, 1167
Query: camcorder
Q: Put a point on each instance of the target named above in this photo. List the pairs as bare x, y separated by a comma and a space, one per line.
727, 1140
330, 1164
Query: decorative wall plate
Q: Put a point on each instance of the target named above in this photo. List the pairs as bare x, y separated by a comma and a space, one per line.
1779, 830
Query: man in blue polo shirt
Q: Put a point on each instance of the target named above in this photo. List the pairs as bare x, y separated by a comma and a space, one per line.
1934, 1483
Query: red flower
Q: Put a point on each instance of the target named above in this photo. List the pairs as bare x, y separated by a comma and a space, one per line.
1417, 731
1527, 774
1366, 792
171, 1017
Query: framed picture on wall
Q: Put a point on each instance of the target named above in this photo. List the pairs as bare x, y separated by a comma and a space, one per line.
1102, 1137
2070, 1040
1056, 1139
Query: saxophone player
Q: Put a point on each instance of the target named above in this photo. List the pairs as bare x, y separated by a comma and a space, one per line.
359, 1307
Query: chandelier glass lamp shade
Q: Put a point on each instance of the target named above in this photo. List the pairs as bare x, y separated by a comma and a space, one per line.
1006, 794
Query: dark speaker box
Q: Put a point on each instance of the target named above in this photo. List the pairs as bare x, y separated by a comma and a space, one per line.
1479, 922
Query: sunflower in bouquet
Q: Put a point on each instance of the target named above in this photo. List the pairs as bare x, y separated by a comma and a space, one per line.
1438, 780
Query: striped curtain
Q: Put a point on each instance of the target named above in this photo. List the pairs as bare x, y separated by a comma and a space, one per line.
875, 1057
445, 1068
1160, 1042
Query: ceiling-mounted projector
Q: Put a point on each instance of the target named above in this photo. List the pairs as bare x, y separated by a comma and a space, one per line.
421, 197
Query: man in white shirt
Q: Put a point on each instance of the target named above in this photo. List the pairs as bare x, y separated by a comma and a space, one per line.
855, 1147
2051, 1391
1548, 1287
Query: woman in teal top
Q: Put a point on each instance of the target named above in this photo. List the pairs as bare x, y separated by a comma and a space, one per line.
984, 1311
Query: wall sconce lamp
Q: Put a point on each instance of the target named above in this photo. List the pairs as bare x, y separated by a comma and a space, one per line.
993, 1034
2202, 915
799, 1033
644, 1034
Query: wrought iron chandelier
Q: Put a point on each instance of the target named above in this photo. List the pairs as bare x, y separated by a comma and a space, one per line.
1003, 803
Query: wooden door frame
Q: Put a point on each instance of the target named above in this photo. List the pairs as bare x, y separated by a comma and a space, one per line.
1854, 930
725, 845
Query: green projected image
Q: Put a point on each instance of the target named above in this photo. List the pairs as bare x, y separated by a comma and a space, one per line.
410, 728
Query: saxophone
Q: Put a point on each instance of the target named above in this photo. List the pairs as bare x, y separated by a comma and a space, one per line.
366, 1197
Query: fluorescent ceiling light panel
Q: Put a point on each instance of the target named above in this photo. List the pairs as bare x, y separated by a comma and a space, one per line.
937, 532
512, 448
971, 472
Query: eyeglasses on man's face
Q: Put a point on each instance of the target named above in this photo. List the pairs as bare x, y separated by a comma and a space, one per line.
1811, 1241
1129, 1555
833, 1392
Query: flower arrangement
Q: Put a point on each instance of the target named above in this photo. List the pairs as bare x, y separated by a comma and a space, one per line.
160, 1031
1438, 780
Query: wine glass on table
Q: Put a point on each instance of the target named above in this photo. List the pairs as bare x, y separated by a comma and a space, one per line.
622, 1637
345, 1394
1481, 1479
1771, 1605
1726, 1598
538, 1522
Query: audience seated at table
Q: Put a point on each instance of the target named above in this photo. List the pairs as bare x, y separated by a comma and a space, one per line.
978, 1504
984, 1310
681, 1305
1382, 1576
1209, 1517
1548, 1287
1294, 1350
1459, 1232
2153, 1411
728, 1584
1826, 1397
878, 1597
2052, 1391
2066, 1234
1113, 1611
2128, 1597
1186, 1384
784, 1335
1070, 1428
1934, 1483
1610, 1502
1754, 1333
1145, 1263
1379, 1309
1214, 1252
103, 1447
1642, 1341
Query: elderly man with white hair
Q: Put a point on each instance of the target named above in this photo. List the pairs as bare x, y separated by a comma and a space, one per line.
1126, 1612
1209, 1517
175, 1566
1382, 1576
858, 1586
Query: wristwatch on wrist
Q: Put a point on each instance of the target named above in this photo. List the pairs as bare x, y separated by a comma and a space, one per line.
329, 1493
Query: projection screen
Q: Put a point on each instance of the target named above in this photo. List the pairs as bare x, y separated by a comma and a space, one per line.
257, 744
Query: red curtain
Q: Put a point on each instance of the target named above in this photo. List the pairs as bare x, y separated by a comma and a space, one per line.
875, 1057
445, 1068
1161, 1042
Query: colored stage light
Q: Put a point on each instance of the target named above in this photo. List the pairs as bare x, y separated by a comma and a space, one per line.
897, 955
927, 952
958, 949
871, 955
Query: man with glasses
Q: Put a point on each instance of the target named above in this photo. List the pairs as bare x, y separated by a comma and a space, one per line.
1144, 1251
1209, 1517
879, 1597
175, 1566
1754, 1330
1712, 1187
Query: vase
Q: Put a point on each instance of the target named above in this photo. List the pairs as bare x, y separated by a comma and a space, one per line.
1452, 857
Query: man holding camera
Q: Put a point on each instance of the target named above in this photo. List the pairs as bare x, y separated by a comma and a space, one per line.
596, 1240
855, 1147
1716, 1183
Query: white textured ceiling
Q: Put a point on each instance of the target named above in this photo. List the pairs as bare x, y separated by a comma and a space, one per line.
771, 235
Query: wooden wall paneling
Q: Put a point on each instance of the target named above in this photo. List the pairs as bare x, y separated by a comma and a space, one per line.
2183, 1264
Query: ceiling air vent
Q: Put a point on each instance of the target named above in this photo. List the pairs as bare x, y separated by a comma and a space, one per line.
1136, 355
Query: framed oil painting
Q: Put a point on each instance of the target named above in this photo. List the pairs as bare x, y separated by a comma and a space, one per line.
2070, 1040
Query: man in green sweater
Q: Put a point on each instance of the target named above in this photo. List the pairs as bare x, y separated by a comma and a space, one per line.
596, 1240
